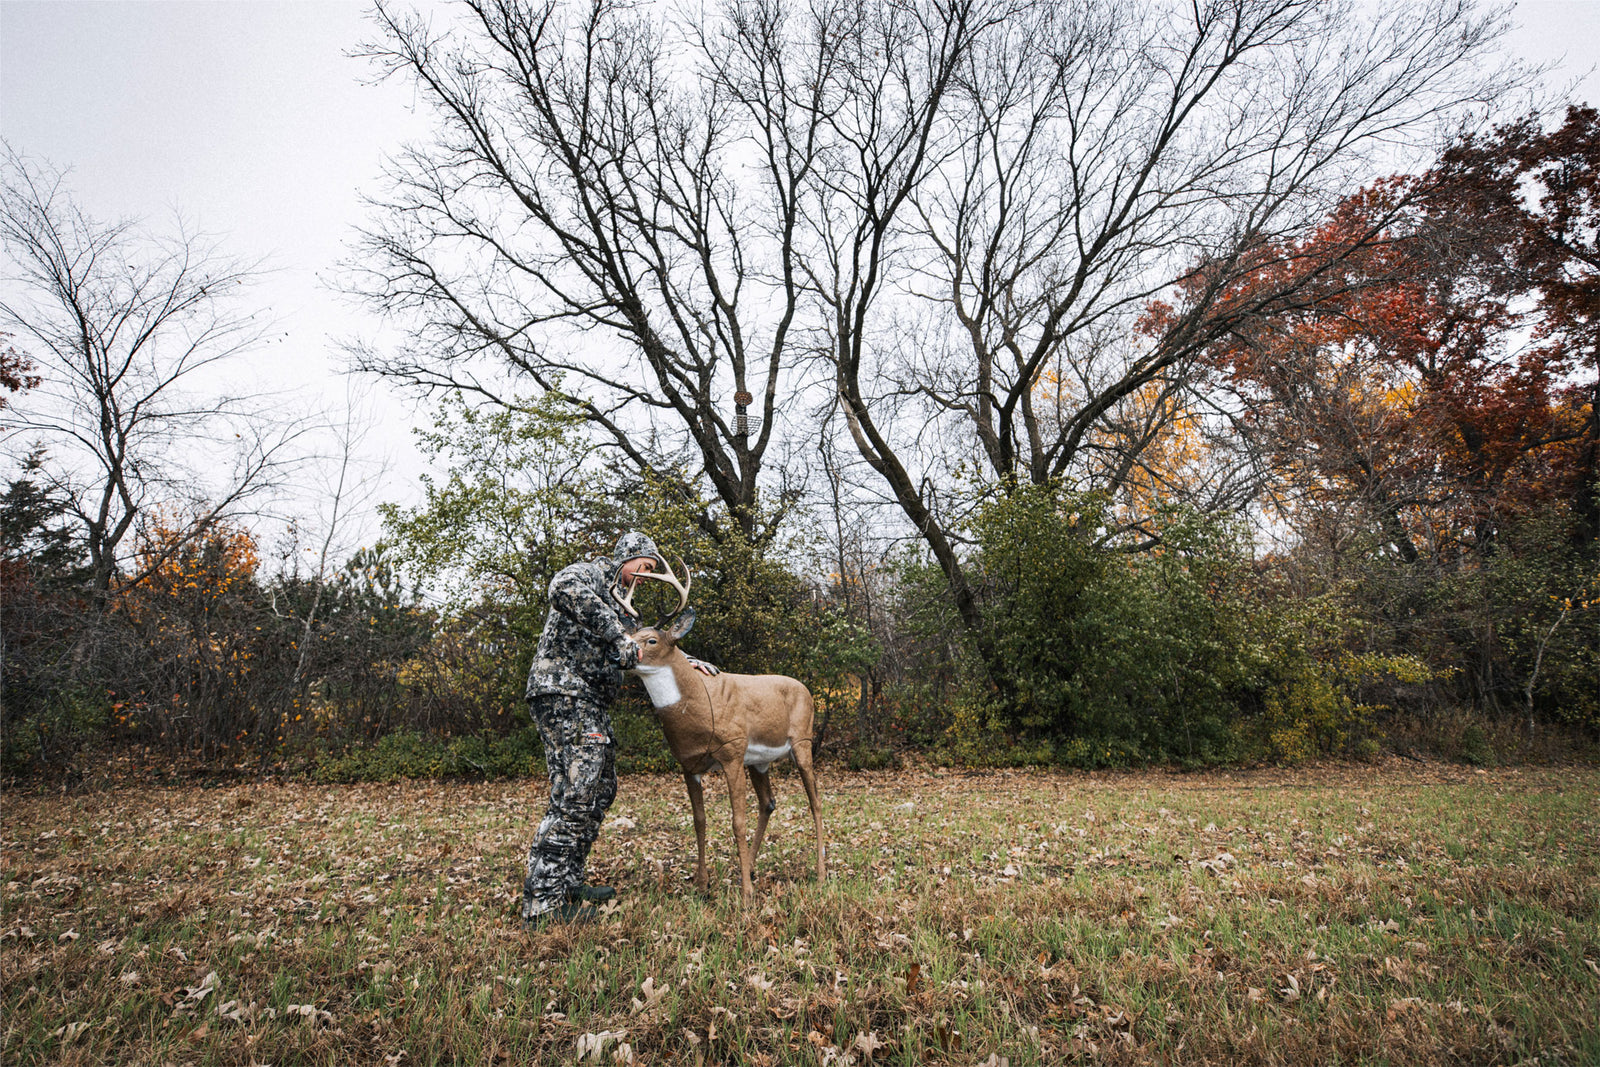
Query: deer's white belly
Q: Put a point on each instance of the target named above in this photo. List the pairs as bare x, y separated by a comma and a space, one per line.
660, 684
761, 756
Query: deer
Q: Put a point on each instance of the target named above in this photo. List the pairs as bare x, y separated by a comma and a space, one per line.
733, 723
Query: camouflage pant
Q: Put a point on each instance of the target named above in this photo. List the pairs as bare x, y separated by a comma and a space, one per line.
580, 752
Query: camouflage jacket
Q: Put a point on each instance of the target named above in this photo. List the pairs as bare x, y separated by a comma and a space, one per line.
582, 649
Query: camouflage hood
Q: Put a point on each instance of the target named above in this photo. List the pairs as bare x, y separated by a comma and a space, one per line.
632, 545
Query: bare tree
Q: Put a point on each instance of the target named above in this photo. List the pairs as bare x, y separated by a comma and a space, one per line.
350, 485
595, 222
1092, 158
123, 329
957, 217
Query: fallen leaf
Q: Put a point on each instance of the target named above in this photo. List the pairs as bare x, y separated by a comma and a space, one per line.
652, 995
71, 1032
868, 1043
591, 1046
207, 986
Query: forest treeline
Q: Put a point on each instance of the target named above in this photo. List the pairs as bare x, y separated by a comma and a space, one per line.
1027, 414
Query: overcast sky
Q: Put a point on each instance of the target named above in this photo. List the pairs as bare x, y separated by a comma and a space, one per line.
250, 119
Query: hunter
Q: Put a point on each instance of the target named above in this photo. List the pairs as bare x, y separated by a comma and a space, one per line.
576, 674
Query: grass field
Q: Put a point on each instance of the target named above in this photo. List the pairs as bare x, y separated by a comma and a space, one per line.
1384, 914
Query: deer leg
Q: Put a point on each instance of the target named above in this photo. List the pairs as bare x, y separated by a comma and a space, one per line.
765, 804
808, 777
697, 802
737, 799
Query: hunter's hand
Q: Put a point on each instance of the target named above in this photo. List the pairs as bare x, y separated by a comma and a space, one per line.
625, 653
703, 667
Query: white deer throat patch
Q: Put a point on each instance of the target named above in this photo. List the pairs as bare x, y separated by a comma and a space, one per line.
660, 684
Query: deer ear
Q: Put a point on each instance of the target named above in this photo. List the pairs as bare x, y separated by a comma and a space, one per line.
682, 624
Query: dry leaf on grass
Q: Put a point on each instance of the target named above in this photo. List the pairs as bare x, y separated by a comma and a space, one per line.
592, 1046
312, 1014
71, 1032
1398, 1008
207, 986
652, 995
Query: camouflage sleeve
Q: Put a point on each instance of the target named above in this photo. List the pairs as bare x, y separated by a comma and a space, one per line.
577, 600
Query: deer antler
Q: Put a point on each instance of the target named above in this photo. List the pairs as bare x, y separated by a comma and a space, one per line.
672, 580
625, 598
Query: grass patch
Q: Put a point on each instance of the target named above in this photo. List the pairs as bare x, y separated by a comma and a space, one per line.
1355, 915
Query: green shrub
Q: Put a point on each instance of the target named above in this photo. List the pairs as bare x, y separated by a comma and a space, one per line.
1309, 698
976, 737
1178, 651
865, 757
1306, 715
65, 723
641, 746
1091, 754
1474, 747
1138, 655
409, 754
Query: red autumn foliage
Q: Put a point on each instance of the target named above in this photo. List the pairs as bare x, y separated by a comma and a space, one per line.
1441, 367
15, 370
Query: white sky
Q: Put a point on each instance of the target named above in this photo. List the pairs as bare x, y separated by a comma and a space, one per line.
249, 119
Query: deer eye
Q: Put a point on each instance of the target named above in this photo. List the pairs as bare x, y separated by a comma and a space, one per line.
651, 641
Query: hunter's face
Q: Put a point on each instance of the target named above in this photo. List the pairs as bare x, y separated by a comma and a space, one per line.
634, 567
